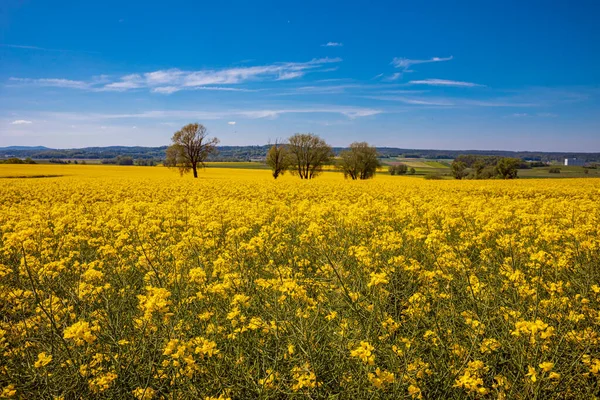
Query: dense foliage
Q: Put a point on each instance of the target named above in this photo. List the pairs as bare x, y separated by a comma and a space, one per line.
15, 160
360, 161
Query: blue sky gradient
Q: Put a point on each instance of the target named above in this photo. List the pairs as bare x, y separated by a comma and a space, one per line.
506, 75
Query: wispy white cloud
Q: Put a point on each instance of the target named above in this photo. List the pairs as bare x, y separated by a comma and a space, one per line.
21, 122
127, 82
332, 44
541, 115
24, 47
394, 77
166, 89
60, 83
172, 80
290, 75
348, 111
454, 102
406, 63
415, 101
344, 88
231, 123
444, 82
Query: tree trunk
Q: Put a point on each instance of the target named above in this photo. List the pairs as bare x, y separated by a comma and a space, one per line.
195, 171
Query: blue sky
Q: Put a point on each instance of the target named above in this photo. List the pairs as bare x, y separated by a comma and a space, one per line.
514, 75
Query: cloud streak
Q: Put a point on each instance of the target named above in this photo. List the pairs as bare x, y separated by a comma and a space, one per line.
59, 83
348, 111
21, 122
332, 44
406, 63
453, 102
444, 82
173, 80
23, 47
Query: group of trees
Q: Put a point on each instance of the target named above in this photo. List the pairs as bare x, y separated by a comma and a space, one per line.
485, 167
303, 154
128, 160
400, 169
14, 160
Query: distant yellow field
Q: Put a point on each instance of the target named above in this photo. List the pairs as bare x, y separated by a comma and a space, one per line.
134, 282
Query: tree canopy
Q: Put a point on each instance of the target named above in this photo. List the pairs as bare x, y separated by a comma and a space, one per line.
278, 158
191, 146
360, 161
308, 153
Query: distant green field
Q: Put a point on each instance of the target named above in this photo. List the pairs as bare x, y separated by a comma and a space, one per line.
565, 172
422, 166
436, 164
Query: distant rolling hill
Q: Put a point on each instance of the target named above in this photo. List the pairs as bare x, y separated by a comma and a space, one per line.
248, 153
9, 148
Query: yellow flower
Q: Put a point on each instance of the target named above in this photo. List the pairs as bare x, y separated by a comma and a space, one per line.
364, 352
531, 374
80, 332
489, 345
546, 366
269, 381
43, 360
595, 366
102, 382
143, 393
380, 378
155, 301
378, 279
415, 392
8, 391
304, 377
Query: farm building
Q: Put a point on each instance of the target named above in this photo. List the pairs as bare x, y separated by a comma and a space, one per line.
574, 162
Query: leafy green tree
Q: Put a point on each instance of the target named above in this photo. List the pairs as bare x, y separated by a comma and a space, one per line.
398, 169
308, 153
278, 158
191, 146
124, 160
459, 169
360, 161
507, 167
478, 167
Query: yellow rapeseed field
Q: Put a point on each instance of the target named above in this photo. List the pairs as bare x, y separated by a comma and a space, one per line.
134, 282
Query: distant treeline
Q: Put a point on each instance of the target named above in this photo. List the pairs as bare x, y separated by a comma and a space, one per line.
15, 160
250, 153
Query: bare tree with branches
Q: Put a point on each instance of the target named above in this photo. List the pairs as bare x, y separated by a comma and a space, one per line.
190, 148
